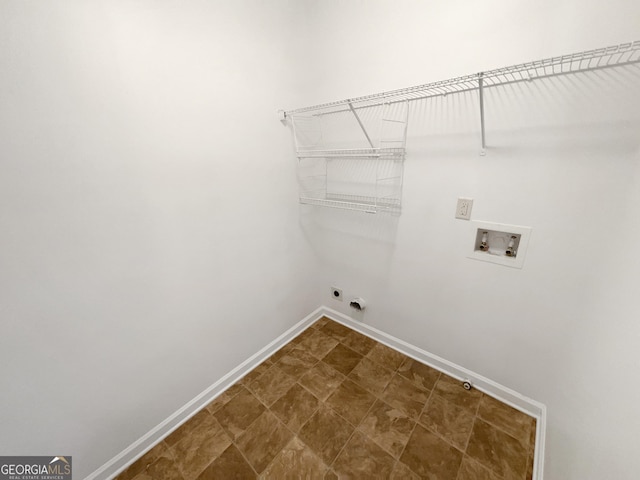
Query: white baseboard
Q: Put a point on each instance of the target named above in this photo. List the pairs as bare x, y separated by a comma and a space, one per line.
535, 409
491, 388
138, 448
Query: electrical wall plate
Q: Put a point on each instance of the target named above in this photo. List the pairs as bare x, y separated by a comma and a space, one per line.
336, 293
463, 208
498, 237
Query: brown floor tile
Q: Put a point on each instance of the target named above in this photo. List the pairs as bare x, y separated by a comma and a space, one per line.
303, 336
294, 462
222, 399
507, 419
272, 385
320, 323
388, 427
497, 451
358, 342
343, 359
268, 361
420, 374
472, 470
282, 352
326, 433
160, 450
254, 374
321, 380
387, 357
185, 430
197, 443
296, 363
231, 465
529, 475
162, 469
295, 407
371, 376
404, 395
240, 412
402, 472
263, 440
144, 476
362, 458
431, 457
317, 344
351, 401
335, 330
451, 422
452, 391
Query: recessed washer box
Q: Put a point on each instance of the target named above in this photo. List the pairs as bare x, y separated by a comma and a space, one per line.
499, 243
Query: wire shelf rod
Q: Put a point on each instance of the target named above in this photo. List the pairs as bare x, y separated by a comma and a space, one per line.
606, 57
486, 85
346, 204
348, 155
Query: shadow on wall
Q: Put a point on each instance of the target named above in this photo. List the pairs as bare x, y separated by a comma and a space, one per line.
578, 99
347, 233
564, 101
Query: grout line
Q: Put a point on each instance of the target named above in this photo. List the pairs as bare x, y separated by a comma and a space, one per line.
233, 441
488, 467
376, 399
343, 447
318, 407
415, 424
528, 445
405, 447
243, 456
424, 407
473, 424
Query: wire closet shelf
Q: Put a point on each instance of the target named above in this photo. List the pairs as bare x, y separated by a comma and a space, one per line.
342, 164
601, 58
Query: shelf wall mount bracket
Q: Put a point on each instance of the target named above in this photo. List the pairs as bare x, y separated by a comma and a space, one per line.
364, 130
483, 148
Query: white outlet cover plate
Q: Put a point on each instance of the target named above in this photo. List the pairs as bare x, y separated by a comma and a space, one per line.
463, 208
518, 261
333, 291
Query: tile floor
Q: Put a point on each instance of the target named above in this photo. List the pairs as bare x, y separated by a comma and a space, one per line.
336, 404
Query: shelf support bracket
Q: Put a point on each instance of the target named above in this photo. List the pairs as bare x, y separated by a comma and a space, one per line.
364, 130
481, 92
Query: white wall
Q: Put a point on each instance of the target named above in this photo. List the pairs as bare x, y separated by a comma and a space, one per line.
149, 227
563, 158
